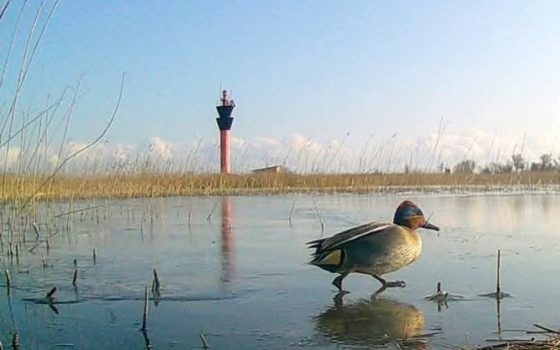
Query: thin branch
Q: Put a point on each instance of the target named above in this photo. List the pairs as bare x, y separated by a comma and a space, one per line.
4, 8
84, 148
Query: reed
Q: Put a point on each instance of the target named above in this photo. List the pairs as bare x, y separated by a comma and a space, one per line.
204, 342
165, 184
155, 283
145, 311
75, 276
8, 281
15, 341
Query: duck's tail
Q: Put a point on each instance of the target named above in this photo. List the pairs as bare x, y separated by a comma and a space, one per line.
316, 244
327, 260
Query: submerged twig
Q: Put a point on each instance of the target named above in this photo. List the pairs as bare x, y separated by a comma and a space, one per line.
78, 211
546, 328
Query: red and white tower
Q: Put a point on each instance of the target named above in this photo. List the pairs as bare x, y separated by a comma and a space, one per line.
225, 108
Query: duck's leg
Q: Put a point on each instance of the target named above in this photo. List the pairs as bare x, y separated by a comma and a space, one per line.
337, 282
389, 284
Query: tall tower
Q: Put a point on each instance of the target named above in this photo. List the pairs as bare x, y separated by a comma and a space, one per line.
225, 108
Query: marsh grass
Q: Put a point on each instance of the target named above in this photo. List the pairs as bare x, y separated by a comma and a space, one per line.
153, 184
551, 341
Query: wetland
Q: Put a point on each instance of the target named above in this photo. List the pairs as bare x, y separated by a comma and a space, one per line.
234, 268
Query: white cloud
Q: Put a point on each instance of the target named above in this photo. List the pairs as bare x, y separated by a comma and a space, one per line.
160, 149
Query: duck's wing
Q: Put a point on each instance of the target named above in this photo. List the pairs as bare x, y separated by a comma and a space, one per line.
344, 237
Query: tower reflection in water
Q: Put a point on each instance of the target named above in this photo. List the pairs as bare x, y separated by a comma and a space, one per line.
227, 254
372, 323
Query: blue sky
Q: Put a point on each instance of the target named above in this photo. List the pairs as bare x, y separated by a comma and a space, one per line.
320, 69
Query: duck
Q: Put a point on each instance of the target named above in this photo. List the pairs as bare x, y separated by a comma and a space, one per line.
375, 248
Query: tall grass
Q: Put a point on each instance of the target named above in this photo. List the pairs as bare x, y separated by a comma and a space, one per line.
156, 184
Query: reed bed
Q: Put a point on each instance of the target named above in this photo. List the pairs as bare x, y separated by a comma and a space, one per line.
156, 184
550, 344
550, 339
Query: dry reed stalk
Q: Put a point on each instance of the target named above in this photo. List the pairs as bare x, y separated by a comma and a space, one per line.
292, 211
498, 294
546, 329
440, 296
145, 312
37, 235
209, 217
15, 341
94, 257
8, 280
50, 294
60, 165
204, 342
498, 290
319, 215
75, 277
155, 283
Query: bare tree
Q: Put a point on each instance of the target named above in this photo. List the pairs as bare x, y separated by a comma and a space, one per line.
464, 167
518, 162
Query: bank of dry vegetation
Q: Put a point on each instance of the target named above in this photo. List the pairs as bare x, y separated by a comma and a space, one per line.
156, 184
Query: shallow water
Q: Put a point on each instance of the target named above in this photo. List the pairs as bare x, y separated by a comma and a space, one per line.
234, 268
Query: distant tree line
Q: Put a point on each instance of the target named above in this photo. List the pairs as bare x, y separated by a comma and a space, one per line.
517, 164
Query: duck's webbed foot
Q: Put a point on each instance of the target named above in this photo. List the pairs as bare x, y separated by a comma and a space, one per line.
337, 282
390, 284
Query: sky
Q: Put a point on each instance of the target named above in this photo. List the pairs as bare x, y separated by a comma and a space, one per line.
359, 85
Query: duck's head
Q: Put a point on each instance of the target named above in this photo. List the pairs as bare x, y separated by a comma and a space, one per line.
409, 215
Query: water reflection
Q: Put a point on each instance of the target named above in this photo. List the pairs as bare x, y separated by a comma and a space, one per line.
376, 321
227, 241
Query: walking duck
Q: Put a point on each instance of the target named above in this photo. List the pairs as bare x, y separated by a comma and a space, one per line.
374, 248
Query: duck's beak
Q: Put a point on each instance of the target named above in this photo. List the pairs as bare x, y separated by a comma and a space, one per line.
429, 226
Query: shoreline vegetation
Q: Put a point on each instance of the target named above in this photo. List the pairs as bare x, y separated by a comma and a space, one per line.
22, 187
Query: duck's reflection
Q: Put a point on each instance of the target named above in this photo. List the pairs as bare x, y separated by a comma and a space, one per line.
227, 241
375, 321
